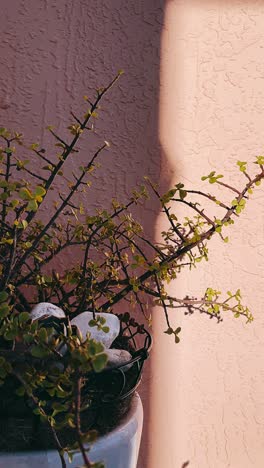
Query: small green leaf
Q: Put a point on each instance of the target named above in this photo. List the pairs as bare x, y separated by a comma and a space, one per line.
39, 352
4, 309
99, 362
23, 317
42, 335
260, 160
40, 191
168, 196
10, 335
3, 296
32, 206
25, 194
28, 339
93, 323
23, 224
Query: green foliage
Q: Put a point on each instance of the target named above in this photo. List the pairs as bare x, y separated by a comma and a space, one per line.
260, 160
5, 369
176, 332
99, 322
242, 166
214, 305
239, 205
4, 305
119, 264
212, 177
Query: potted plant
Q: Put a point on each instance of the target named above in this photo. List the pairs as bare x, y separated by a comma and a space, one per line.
69, 362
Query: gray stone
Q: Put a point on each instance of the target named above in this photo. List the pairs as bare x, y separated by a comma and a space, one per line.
112, 321
46, 309
118, 357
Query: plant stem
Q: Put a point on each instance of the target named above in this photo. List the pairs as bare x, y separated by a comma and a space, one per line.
78, 421
184, 248
59, 210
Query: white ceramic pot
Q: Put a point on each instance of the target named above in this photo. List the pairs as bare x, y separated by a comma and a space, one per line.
118, 449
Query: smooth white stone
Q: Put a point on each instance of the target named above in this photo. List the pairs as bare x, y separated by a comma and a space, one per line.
46, 308
112, 321
118, 357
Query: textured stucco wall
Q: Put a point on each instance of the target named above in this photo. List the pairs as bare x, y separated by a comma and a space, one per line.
53, 52
207, 394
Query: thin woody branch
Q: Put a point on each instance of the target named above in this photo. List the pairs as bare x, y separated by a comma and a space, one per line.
185, 248
60, 209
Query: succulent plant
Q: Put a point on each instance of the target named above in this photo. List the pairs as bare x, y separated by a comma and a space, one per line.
113, 263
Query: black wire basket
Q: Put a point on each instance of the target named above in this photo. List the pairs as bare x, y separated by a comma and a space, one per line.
106, 397
108, 394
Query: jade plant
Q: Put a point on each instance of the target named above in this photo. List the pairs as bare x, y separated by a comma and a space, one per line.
113, 264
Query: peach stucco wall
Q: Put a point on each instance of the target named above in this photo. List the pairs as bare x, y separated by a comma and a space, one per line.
191, 99
207, 402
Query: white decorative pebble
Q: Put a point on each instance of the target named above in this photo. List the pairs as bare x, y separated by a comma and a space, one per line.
118, 357
48, 309
111, 321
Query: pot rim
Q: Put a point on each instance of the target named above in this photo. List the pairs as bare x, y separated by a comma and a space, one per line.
126, 430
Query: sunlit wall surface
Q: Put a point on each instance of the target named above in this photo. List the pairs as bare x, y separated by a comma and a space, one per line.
207, 392
192, 104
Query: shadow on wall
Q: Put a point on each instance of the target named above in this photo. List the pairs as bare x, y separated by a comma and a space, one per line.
54, 52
